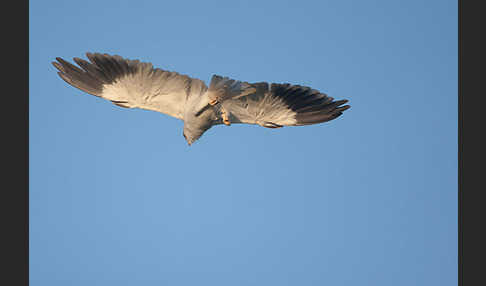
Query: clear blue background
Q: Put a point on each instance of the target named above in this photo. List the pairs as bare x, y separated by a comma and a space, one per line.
117, 197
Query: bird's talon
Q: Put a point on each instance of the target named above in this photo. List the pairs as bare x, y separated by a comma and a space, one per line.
224, 115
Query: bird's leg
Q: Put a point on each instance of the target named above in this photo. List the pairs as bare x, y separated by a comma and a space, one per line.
207, 104
225, 117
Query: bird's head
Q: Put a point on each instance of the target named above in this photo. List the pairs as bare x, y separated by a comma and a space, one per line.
189, 140
193, 134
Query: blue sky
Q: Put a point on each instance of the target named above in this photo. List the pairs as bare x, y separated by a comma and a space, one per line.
117, 197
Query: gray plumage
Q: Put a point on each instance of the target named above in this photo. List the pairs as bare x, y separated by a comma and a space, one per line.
135, 84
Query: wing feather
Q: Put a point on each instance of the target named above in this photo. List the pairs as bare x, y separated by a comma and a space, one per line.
131, 83
278, 105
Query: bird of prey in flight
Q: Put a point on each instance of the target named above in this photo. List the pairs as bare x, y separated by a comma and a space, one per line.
134, 84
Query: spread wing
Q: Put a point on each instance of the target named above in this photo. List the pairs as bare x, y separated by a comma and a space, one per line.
131, 83
283, 105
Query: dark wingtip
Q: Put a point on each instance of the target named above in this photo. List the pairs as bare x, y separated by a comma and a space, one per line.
65, 78
310, 106
61, 60
342, 108
57, 66
78, 77
90, 57
322, 113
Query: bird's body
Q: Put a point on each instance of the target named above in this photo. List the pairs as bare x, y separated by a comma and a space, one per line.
133, 84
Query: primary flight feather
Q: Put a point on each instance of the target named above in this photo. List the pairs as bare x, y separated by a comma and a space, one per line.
135, 84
